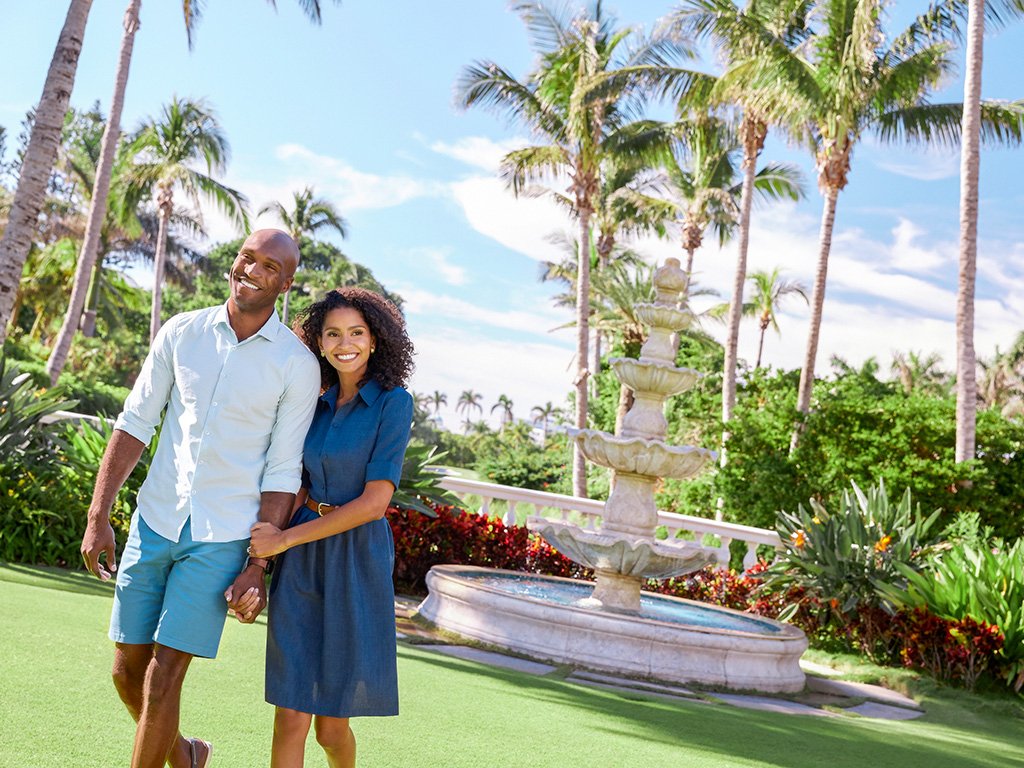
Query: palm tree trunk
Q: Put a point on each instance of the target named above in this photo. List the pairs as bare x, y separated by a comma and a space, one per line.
760, 345
803, 398
98, 206
753, 134
158, 270
88, 325
579, 465
966, 386
40, 155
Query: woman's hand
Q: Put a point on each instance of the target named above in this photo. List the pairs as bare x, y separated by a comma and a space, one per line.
266, 540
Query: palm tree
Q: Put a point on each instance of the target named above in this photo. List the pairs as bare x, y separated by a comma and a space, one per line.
97, 208
578, 101
769, 291
437, 400
917, 371
848, 79
703, 185
544, 414
505, 404
308, 216
166, 150
966, 360
98, 205
738, 31
40, 155
469, 401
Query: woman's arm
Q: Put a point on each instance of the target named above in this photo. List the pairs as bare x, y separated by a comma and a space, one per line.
268, 540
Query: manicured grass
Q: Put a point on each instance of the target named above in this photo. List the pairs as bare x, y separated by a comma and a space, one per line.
57, 708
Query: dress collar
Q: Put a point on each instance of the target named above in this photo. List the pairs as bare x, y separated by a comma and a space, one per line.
368, 393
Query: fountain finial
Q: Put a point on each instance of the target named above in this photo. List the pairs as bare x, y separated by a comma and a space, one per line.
669, 281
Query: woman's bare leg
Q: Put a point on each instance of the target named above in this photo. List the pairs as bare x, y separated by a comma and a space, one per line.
290, 731
338, 741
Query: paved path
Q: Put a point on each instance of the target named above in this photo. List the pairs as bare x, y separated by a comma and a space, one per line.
823, 697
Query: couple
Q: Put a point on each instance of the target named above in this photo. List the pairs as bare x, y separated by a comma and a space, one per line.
257, 471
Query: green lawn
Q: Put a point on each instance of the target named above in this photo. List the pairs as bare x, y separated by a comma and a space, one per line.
58, 708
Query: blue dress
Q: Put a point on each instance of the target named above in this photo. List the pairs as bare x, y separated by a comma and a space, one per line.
331, 629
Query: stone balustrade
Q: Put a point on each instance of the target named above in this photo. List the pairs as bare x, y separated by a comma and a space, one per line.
587, 514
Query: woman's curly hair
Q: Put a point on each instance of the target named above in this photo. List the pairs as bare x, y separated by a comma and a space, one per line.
391, 364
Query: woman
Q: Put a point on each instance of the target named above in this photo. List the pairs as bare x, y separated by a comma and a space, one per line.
331, 637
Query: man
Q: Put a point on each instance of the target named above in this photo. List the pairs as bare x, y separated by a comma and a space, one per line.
240, 390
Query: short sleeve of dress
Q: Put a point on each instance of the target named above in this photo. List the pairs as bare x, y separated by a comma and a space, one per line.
392, 437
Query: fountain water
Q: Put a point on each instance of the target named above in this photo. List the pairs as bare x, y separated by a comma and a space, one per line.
613, 626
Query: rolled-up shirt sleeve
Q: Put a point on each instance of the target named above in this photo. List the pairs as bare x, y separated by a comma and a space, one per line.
392, 438
294, 413
144, 406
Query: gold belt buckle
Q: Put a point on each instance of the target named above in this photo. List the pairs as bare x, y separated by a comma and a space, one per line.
320, 507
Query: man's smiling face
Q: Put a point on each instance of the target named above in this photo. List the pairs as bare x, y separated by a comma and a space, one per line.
263, 270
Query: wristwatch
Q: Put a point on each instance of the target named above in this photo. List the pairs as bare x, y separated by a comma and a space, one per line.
261, 562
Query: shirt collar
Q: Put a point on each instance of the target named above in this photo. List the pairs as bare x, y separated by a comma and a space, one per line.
269, 330
369, 393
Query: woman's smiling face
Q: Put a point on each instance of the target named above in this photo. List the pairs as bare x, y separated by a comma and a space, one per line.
346, 342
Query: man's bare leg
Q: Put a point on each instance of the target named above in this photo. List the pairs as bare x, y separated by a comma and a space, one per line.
157, 709
130, 665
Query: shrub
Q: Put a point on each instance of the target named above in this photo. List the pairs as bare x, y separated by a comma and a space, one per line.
971, 583
463, 538
841, 557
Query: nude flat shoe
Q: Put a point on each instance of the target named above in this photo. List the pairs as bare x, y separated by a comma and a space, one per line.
192, 743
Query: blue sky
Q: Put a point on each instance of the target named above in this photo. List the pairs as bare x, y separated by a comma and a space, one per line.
361, 108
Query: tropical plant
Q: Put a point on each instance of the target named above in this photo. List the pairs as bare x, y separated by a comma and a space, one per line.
505, 405
165, 151
842, 557
40, 155
850, 78
917, 371
469, 401
544, 414
978, 581
579, 100
769, 291
420, 484
741, 33
437, 400
22, 411
308, 216
702, 181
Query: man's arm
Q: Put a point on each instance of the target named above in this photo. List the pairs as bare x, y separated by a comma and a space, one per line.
276, 508
119, 459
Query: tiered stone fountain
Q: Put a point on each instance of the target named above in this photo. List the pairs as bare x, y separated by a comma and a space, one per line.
612, 625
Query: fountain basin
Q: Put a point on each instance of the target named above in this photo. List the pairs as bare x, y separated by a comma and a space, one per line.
639, 456
660, 378
671, 639
621, 553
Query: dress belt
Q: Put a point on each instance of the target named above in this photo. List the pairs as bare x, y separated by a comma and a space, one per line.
319, 507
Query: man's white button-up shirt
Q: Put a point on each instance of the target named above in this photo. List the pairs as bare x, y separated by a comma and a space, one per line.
237, 416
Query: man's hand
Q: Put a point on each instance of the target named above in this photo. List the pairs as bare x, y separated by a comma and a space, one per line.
99, 540
251, 588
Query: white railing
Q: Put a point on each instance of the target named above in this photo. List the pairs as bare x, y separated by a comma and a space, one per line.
587, 514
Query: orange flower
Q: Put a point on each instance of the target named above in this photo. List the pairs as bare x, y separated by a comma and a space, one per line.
798, 538
883, 543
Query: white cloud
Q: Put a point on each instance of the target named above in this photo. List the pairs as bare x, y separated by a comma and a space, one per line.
521, 224
930, 164
438, 258
536, 320
352, 189
479, 151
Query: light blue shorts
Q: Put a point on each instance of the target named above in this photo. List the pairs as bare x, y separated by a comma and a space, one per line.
172, 592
